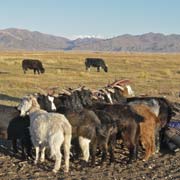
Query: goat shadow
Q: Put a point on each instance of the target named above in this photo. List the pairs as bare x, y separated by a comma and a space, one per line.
5, 97
64, 68
4, 72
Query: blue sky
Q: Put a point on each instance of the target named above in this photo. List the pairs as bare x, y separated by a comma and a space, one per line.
102, 18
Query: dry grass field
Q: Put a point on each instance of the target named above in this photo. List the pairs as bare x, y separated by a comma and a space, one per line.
151, 74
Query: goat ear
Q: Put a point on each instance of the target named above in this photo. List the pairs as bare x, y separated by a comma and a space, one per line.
34, 101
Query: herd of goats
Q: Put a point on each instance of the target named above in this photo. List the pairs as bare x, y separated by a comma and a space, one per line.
86, 121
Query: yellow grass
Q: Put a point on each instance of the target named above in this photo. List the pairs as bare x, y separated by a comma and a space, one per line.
152, 74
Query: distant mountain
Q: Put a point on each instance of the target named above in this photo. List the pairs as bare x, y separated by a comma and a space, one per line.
18, 39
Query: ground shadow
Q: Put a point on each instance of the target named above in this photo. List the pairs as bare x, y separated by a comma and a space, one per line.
4, 72
5, 97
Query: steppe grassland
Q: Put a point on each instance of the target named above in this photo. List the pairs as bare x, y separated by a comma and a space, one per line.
151, 74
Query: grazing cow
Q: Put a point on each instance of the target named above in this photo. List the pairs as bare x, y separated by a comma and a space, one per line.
148, 129
96, 62
33, 64
47, 129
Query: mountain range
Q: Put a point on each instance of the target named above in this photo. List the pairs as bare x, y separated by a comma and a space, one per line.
20, 39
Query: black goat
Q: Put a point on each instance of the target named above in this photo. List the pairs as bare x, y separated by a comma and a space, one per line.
19, 129
16, 127
127, 121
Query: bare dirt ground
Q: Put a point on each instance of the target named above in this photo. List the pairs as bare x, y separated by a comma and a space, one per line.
162, 166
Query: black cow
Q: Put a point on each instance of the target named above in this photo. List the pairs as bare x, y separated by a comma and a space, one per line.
34, 64
96, 62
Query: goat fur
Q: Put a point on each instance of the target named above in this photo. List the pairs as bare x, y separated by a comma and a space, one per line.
47, 129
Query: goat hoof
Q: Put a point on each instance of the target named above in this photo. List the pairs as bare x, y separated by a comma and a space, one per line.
66, 170
35, 162
84, 164
42, 160
157, 151
55, 171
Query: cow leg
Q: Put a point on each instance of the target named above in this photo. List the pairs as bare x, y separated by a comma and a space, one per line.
34, 71
87, 68
98, 69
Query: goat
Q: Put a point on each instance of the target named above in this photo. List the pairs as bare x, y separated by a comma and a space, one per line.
161, 107
127, 121
7, 113
116, 92
18, 128
50, 129
86, 125
15, 127
147, 129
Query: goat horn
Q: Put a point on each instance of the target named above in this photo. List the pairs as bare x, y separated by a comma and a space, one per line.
120, 82
77, 89
64, 91
42, 91
104, 90
94, 97
110, 90
119, 87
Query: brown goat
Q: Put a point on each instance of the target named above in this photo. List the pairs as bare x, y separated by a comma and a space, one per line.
147, 129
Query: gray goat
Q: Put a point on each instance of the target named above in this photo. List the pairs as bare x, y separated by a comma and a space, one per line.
47, 129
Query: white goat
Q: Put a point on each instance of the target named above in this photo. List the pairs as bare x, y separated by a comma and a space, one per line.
47, 129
